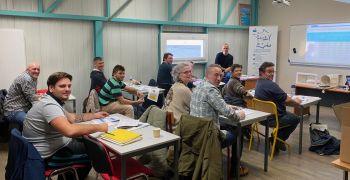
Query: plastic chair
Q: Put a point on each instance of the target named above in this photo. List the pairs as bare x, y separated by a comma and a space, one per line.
269, 107
25, 162
109, 168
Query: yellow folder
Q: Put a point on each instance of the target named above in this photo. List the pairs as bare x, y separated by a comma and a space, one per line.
122, 136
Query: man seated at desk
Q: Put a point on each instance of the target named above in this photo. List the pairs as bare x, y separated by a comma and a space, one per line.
22, 95
111, 98
268, 90
207, 102
54, 131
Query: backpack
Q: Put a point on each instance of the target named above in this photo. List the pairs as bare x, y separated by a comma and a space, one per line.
323, 143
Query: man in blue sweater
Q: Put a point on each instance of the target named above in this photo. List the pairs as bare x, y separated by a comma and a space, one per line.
268, 90
97, 77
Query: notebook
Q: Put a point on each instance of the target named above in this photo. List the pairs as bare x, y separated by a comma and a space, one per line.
122, 136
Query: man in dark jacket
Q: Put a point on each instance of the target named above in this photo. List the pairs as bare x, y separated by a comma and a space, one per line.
164, 78
97, 77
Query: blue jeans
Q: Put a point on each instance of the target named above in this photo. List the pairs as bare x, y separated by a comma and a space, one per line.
231, 139
289, 119
16, 117
227, 77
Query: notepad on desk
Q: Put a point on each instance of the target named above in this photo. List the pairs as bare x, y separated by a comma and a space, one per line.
122, 136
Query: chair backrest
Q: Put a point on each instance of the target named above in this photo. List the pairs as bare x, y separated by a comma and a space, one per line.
24, 161
152, 82
265, 106
92, 104
170, 120
98, 155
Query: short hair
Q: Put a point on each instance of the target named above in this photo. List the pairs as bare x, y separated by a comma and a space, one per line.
118, 68
176, 71
265, 65
166, 55
57, 76
97, 59
234, 66
212, 66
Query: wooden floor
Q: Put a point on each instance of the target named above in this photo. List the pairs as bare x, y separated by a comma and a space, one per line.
306, 166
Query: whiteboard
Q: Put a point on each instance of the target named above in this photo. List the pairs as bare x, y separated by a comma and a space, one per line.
262, 47
320, 44
13, 58
185, 47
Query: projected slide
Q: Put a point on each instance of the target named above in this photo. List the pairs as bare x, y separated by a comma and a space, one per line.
185, 49
328, 43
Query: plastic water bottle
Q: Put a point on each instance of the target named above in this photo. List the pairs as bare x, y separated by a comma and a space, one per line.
292, 92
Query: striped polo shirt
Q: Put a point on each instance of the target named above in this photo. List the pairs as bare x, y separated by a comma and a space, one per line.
110, 91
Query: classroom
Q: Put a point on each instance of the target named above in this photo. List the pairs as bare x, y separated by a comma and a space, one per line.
165, 65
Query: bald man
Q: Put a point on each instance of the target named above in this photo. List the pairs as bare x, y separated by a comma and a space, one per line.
21, 95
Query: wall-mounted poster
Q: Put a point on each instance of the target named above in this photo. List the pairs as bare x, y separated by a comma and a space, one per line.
244, 14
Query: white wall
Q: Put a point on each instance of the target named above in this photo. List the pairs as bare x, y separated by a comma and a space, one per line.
300, 12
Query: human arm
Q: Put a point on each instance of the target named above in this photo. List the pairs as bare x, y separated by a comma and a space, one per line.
74, 118
134, 91
293, 101
28, 89
217, 102
63, 125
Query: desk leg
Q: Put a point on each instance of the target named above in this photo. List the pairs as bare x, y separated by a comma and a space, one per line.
301, 131
266, 153
122, 168
238, 150
345, 175
318, 113
176, 160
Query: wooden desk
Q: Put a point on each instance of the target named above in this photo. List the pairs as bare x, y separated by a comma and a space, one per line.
249, 82
307, 101
329, 96
250, 118
342, 165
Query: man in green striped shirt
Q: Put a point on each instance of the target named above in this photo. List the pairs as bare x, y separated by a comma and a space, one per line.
111, 99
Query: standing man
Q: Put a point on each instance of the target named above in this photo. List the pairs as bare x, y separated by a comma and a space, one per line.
54, 131
164, 78
225, 60
21, 95
207, 102
98, 79
268, 90
111, 98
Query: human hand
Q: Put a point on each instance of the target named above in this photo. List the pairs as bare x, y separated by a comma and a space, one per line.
298, 100
101, 114
140, 101
103, 127
139, 94
241, 114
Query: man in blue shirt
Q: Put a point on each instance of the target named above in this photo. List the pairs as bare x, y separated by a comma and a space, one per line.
164, 79
268, 90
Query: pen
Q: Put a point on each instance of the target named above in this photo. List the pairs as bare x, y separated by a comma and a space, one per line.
110, 133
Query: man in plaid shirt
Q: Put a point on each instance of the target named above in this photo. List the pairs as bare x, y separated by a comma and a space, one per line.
207, 102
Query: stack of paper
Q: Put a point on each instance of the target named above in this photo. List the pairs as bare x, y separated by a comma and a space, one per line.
122, 136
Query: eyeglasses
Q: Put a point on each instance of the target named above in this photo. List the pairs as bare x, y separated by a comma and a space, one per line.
186, 72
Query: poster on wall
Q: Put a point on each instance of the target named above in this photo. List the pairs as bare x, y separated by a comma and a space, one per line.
244, 14
262, 47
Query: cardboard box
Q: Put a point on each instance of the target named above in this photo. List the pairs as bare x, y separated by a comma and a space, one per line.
342, 113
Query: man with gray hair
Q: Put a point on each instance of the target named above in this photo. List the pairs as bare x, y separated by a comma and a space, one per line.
207, 102
21, 95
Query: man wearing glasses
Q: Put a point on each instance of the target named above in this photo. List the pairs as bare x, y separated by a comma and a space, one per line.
268, 90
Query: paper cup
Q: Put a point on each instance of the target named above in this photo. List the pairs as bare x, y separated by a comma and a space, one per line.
156, 132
